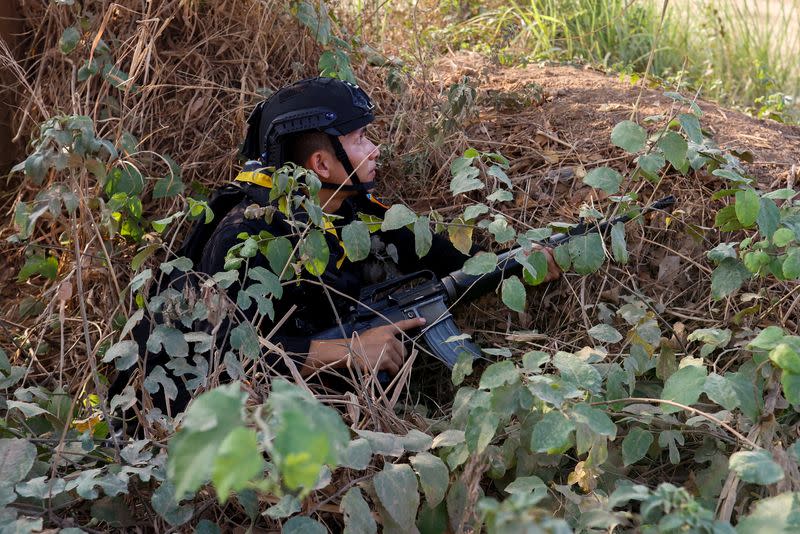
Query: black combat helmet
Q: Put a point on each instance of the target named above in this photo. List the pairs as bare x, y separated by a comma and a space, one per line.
328, 105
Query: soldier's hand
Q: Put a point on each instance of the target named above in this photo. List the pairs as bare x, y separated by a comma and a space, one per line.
377, 349
553, 270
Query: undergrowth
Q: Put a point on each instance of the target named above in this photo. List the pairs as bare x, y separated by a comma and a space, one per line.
631, 405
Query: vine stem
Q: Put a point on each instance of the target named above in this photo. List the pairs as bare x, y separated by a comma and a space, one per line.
708, 416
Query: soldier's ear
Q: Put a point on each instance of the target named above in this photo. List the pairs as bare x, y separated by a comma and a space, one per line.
320, 162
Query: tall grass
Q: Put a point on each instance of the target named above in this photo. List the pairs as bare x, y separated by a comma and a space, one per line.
740, 52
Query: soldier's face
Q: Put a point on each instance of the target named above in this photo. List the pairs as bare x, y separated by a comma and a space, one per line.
363, 155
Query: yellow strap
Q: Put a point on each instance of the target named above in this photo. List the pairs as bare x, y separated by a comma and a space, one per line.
255, 177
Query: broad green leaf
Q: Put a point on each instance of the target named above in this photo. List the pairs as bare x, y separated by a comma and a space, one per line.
279, 254
768, 338
597, 420
303, 525
423, 239
124, 354
605, 333
726, 219
238, 461
538, 261
586, 252
433, 477
165, 501
480, 263
124, 179
168, 187
501, 230
791, 387
562, 256
396, 487
578, 372
16, 459
552, 434
357, 515
772, 515
171, 339
416, 441
315, 253
691, 126
357, 455
674, 148
308, 435
684, 387
604, 178
720, 390
481, 426
69, 40
513, 294
527, 486
38, 264
756, 467
629, 136
475, 210
618, 245
498, 374
782, 237
501, 195
208, 421
785, 357
396, 217
747, 207
652, 162
355, 237
465, 181
182, 263
635, 445
462, 368
728, 277
288, 505
791, 265
768, 217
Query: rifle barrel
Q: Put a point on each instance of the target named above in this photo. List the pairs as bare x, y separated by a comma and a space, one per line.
460, 285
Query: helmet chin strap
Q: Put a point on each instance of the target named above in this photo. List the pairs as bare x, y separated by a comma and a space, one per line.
341, 155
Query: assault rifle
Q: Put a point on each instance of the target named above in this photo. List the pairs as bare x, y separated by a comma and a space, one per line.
421, 294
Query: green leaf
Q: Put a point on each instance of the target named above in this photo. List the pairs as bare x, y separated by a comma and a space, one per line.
618, 245
481, 427
69, 40
286, 506
652, 162
124, 354
691, 125
460, 234
526, 486
183, 264
674, 148
604, 178
552, 434
773, 515
597, 420
768, 217
465, 181
501, 230
433, 477
279, 254
605, 333
423, 239
208, 421
462, 368
791, 265
782, 237
498, 374
728, 277
586, 252
168, 187
578, 372
308, 435
513, 294
768, 338
747, 206
720, 390
165, 502
314, 16
303, 525
726, 219
790, 382
357, 515
474, 211
396, 217
635, 445
684, 387
629, 136
238, 461
756, 467
562, 256
315, 253
355, 237
480, 263
396, 487
46, 266
357, 455
171, 339
16, 459
124, 179
785, 357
